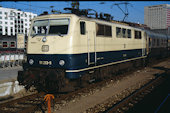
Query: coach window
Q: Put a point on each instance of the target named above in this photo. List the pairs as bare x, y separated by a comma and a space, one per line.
162, 41
82, 28
118, 32
158, 42
129, 33
154, 41
124, 32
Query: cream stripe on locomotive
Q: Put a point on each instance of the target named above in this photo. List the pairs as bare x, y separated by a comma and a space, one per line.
106, 64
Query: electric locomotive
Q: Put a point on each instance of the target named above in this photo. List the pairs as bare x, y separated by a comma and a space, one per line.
66, 50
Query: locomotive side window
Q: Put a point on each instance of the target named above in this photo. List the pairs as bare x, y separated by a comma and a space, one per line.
82, 28
108, 31
118, 32
129, 33
104, 30
124, 32
138, 34
5, 44
100, 30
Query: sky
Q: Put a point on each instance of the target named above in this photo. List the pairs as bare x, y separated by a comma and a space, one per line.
135, 8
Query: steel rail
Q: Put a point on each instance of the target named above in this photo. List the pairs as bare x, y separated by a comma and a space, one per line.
134, 95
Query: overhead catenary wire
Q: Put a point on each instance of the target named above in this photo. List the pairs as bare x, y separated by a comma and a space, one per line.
33, 5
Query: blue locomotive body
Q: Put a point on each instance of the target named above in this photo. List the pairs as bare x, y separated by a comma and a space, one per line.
76, 64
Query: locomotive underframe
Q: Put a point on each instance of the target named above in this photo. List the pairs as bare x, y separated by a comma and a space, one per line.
54, 80
44, 79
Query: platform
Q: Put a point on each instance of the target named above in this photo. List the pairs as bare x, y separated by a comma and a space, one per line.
8, 81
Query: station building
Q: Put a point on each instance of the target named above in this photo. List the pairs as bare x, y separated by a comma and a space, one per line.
13, 21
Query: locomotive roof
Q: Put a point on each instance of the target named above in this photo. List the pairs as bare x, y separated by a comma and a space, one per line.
120, 24
156, 35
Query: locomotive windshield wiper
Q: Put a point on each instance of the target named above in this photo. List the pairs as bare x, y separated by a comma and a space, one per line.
59, 34
34, 35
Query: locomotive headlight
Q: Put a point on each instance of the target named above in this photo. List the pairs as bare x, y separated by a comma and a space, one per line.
44, 39
45, 48
61, 62
31, 61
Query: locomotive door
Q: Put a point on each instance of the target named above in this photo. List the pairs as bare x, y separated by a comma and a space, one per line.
91, 43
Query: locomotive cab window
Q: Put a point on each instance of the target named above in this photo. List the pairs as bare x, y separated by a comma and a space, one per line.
59, 26
39, 27
50, 27
82, 28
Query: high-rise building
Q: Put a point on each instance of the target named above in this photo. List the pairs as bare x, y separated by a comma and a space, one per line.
157, 16
13, 21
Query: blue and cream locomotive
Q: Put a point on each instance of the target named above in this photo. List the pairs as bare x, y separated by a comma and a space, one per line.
66, 50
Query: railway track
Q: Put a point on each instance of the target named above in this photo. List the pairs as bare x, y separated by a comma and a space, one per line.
35, 102
136, 96
22, 105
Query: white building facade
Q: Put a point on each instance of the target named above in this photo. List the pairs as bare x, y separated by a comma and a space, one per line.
13, 21
157, 16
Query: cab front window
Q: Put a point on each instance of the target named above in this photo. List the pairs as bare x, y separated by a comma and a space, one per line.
39, 27
50, 27
59, 26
